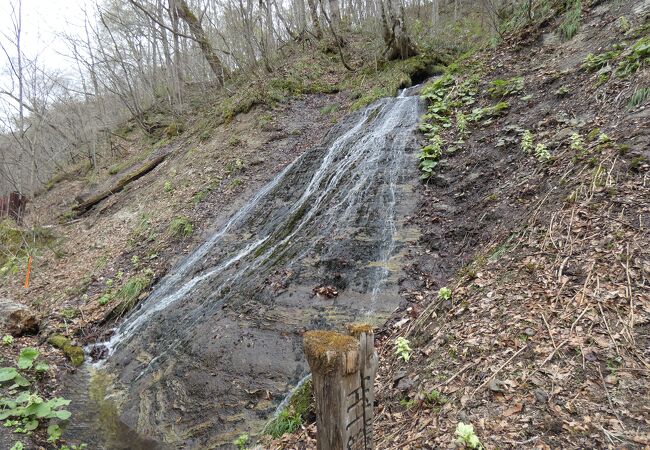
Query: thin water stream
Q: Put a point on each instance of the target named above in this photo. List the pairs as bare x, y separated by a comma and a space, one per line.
217, 345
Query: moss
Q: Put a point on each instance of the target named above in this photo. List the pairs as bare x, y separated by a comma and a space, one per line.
74, 353
328, 349
357, 328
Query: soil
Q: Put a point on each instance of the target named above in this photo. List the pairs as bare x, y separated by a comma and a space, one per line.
544, 342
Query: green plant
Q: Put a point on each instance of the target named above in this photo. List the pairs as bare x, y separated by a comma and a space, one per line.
434, 397
503, 88
131, 290
541, 153
7, 339
466, 436
286, 422
639, 97
563, 91
168, 186
461, 122
635, 57
104, 299
593, 62
429, 156
527, 141
603, 138
571, 20
181, 227
28, 409
25, 412
407, 403
242, 441
623, 24
17, 446
577, 144
403, 348
444, 293
234, 166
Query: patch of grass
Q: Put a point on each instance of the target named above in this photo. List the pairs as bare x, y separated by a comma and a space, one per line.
181, 228
286, 422
639, 97
571, 19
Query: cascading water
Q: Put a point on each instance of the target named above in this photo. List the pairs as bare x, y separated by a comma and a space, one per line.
218, 343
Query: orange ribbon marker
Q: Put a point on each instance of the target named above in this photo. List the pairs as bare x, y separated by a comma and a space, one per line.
29, 269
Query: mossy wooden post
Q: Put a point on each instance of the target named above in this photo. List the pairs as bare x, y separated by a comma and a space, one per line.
339, 366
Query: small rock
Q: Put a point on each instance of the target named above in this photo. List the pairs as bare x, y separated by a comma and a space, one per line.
16, 319
495, 385
529, 332
541, 395
405, 384
399, 375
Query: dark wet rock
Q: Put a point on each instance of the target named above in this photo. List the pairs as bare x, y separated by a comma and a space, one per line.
16, 319
227, 319
405, 384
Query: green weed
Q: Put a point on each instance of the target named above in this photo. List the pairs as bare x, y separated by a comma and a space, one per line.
571, 19
503, 88
466, 436
403, 348
639, 97
181, 227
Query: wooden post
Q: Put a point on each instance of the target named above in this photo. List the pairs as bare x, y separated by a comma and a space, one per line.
343, 369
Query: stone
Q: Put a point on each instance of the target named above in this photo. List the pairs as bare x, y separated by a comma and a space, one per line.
541, 395
16, 319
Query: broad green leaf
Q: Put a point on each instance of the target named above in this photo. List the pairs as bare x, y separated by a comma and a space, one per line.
61, 414
27, 357
7, 373
21, 380
39, 409
57, 402
31, 425
53, 433
42, 367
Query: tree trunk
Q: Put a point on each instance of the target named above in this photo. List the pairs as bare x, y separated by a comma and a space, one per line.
201, 38
313, 11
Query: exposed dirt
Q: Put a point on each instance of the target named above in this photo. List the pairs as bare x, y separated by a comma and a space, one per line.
544, 343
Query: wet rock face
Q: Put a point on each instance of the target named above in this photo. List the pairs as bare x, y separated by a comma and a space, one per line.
16, 319
228, 320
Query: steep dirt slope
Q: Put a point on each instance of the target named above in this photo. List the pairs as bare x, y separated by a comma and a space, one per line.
544, 342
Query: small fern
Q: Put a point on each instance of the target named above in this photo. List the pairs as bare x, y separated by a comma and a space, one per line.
639, 97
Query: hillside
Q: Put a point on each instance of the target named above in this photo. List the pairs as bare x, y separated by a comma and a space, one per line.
518, 260
543, 340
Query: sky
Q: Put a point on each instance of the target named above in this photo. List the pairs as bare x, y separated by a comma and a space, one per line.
42, 21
